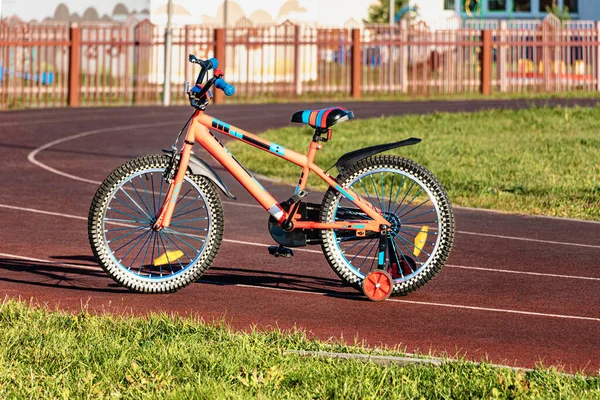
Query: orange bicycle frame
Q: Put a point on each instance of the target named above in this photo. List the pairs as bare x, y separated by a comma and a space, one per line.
199, 132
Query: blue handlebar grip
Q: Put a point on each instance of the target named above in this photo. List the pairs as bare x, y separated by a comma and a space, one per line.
225, 87
214, 62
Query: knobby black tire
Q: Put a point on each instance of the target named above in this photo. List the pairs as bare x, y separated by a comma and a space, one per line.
333, 253
97, 238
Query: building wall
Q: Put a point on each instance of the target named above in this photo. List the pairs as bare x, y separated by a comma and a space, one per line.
321, 12
432, 12
589, 9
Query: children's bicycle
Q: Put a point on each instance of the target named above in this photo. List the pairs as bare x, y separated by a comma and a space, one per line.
385, 224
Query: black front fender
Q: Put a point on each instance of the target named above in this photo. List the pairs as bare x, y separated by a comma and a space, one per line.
350, 158
199, 167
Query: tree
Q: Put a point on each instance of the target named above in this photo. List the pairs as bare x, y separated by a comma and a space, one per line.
560, 13
380, 12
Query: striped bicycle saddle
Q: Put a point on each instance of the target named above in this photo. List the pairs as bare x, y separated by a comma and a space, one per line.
323, 118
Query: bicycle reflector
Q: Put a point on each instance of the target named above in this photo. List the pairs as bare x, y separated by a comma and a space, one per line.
167, 258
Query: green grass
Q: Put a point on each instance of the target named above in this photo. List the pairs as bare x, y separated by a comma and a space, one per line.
536, 161
60, 355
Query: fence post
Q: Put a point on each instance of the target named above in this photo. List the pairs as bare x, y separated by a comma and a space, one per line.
356, 64
297, 61
74, 57
598, 55
404, 56
486, 63
219, 54
501, 58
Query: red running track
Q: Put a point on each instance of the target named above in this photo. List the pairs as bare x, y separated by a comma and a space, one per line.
517, 290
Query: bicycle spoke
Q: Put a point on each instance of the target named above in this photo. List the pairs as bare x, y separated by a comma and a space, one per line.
412, 244
128, 242
410, 202
399, 188
153, 257
134, 202
159, 204
189, 227
138, 253
367, 193
145, 254
193, 237
418, 215
406, 194
176, 234
351, 247
414, 208
185, 213
175, 244
140, 197
127, 234
154, 208
391, 242
376, 194
128, 215
361, 250
131, 208
125, 220
192, 220
367, 256
151, 204
412, 236
410, 252
133, 247
120, 229
391, 191
163, 240
382, 193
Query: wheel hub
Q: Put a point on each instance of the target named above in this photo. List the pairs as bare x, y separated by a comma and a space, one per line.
394, 220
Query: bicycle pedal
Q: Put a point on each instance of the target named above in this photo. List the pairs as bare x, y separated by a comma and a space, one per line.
280, 251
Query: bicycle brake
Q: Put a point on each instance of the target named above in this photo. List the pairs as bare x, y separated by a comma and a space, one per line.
169, 174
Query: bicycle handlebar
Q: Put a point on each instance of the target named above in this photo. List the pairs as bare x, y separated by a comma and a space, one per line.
206, 64
224, 86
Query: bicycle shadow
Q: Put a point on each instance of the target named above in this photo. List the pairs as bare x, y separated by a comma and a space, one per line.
280, 281
65, 277
53, 275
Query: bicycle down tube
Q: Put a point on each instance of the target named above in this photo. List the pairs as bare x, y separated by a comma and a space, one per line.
198, 131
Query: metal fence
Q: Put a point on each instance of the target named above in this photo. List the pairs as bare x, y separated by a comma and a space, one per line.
108, 64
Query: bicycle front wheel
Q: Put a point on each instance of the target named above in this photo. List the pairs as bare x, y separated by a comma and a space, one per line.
135, 255
409, 197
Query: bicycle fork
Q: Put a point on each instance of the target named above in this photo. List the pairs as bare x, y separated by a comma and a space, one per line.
163, 219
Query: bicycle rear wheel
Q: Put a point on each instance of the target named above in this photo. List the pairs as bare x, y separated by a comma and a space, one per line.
135, 255
416, 205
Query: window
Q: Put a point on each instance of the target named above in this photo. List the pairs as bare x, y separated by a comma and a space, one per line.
545, 4
497, 5
448, 5
522, 5
470, 6
572, 5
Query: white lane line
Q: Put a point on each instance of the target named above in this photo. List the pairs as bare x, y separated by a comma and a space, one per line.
34, 210
31, 156
242, 242
507, 271
593, 246
53, 121
86, 267
32, 159
422, 303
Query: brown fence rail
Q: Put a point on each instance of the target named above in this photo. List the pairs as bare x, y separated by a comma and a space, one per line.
110, 64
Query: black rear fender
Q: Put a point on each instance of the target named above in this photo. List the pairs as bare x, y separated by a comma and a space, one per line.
345, 161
